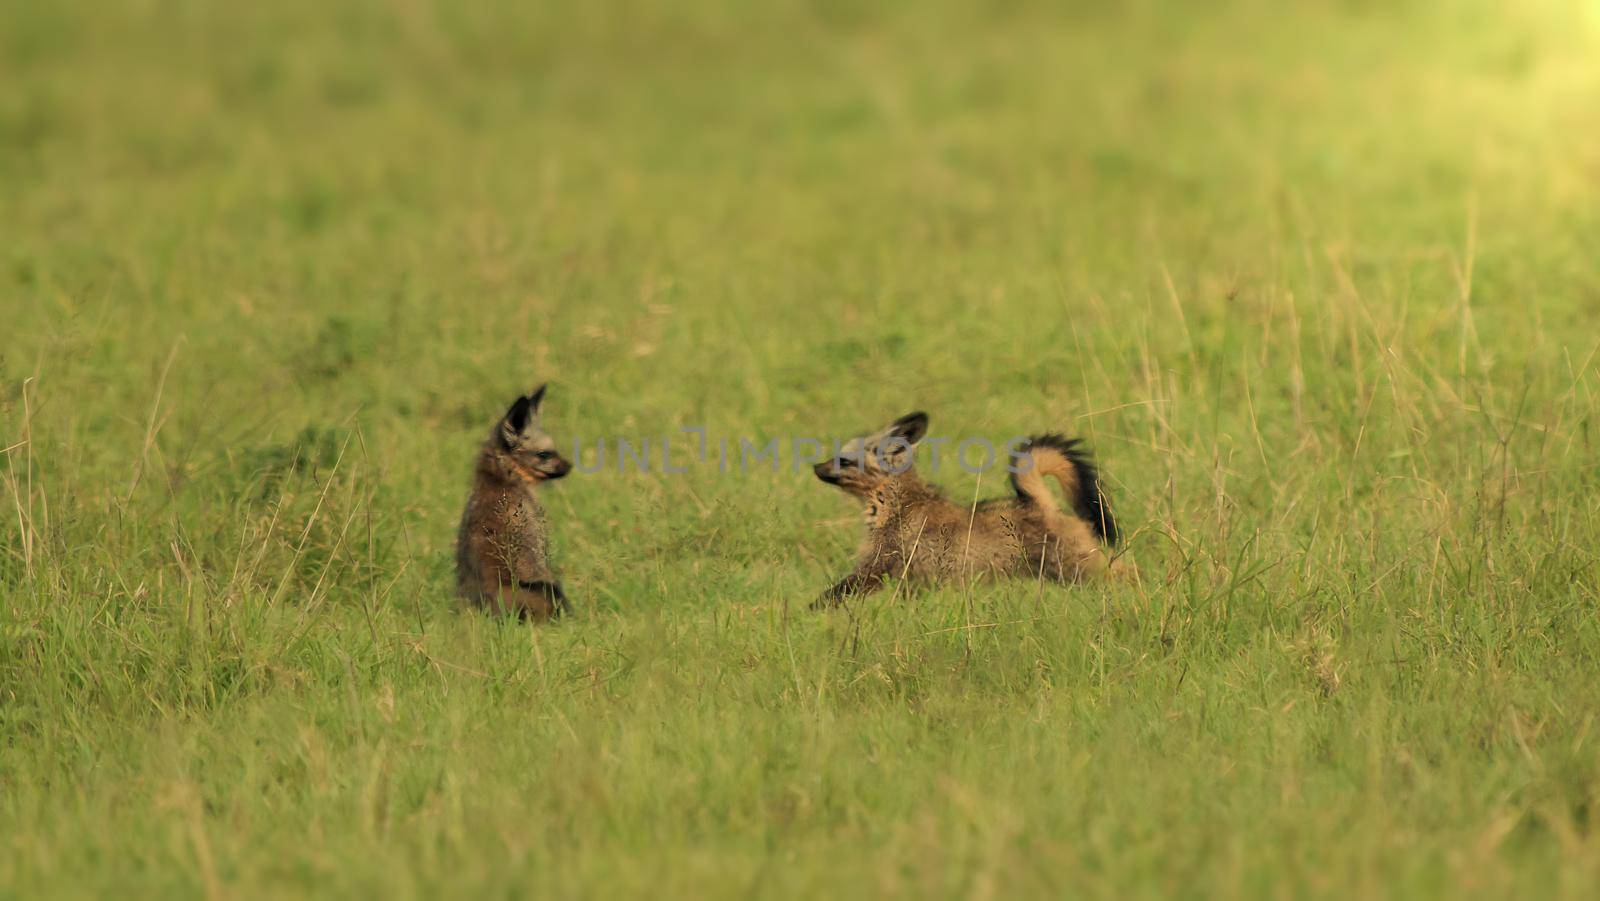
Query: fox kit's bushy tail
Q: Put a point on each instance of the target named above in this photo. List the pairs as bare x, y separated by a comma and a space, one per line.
1070, 463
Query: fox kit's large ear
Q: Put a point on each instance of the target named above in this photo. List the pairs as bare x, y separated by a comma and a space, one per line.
515, 421
536, 399
894, 449
910, 428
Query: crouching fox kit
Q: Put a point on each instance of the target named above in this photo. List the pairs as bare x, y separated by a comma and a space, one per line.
503, 550
914, 532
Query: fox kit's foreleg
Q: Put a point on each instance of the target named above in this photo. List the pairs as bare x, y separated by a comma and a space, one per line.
866, 578
553, 595
534, 600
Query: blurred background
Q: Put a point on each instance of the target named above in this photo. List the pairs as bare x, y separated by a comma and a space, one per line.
1316, 281
239, 236
801, 218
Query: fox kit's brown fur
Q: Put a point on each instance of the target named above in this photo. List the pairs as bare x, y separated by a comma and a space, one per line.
503, 551
914, 532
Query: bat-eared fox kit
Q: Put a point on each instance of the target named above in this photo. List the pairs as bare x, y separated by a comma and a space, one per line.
503, 550
913, 531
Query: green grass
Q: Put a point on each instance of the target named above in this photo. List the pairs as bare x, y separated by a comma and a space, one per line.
1320, 289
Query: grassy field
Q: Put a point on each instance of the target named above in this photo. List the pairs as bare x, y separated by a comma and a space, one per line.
1320, 289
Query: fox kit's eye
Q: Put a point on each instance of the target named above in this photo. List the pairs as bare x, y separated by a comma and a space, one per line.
544, 455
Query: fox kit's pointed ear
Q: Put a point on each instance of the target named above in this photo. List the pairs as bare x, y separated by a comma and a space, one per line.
894, 446
910, 428
516, 420
536, 399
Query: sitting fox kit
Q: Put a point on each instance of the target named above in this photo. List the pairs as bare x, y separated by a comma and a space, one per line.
914, 532
503, 551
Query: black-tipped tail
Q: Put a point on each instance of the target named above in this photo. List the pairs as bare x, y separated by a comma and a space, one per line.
1087, 499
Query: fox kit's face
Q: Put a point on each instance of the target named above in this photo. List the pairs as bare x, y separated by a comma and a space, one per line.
867, 462
527, 446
